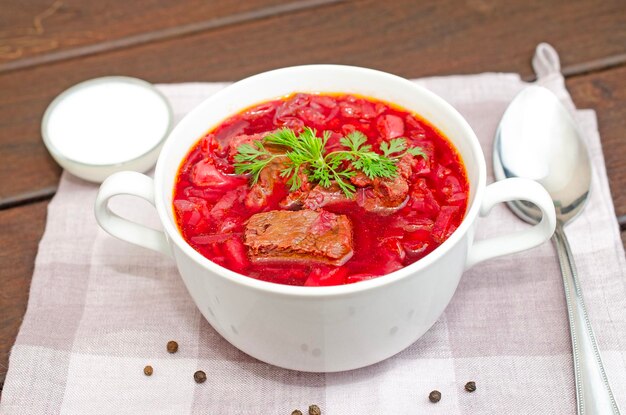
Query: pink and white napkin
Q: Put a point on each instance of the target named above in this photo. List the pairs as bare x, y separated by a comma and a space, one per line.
101, 309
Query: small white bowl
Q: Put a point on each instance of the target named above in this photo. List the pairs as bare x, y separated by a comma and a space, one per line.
105, 125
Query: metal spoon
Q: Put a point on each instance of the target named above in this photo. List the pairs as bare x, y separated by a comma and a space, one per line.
538, 139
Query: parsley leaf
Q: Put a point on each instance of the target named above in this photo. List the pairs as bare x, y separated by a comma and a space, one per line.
395, 145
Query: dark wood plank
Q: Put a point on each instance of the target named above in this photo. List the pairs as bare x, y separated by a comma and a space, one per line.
452, 31
605, 92
40, 31
20, 231
403, 37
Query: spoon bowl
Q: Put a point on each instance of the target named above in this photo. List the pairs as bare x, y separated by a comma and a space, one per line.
538, 139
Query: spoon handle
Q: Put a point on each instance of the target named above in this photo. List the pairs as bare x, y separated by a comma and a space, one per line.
593, 393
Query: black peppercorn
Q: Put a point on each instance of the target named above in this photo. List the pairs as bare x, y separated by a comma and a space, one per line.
470, 386
172, 346
199, 376
147, 370
315, 410
435, 396
296, 412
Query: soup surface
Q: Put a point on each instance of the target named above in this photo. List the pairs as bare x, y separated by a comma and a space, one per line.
316, 190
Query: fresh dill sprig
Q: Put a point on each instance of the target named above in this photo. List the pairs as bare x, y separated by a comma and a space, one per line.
307, 153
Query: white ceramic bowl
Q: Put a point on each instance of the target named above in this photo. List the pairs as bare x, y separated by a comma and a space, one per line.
325, 329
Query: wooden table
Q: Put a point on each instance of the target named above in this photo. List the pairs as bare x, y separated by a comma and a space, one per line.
47, 46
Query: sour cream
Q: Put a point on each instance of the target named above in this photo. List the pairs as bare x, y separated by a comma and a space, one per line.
105, 125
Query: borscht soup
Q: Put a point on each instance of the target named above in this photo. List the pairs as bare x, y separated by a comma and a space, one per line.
320, 189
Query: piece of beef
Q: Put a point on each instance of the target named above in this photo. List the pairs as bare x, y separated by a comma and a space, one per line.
264, 187
314, 199
360, 179
304, 235
385, 196
406, 165
324, 196
404, 168
295, 199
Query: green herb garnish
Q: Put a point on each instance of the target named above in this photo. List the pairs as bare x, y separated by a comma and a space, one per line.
307, 153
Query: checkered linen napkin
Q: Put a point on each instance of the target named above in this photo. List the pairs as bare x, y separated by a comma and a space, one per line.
101, 309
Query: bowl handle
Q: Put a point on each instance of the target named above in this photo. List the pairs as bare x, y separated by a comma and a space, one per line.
505, 191
134, 184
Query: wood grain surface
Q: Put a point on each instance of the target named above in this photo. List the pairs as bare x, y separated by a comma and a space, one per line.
48, 45
44, 31
605, 92
20, 231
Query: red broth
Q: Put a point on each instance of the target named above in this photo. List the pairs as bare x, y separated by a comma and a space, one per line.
211, 202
